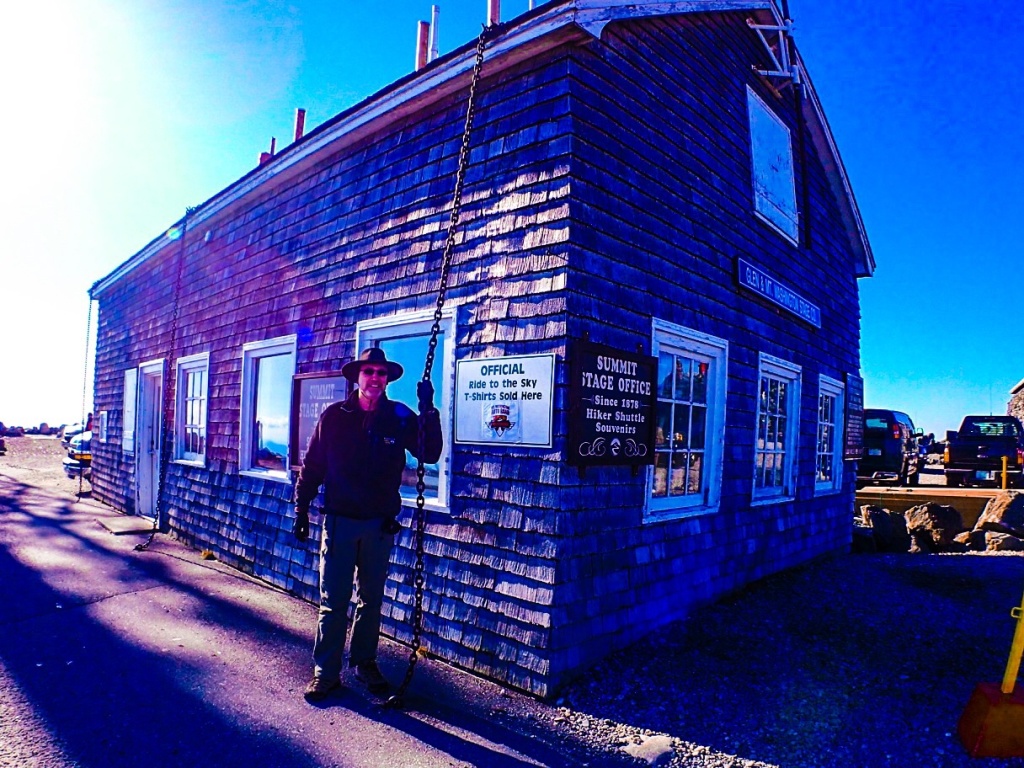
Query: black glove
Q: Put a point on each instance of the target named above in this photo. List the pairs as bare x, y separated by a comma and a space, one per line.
301, 527
425, 394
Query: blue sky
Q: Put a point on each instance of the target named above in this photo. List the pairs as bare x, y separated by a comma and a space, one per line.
125, 112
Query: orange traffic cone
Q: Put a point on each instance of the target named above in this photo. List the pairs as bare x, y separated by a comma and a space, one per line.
992, 725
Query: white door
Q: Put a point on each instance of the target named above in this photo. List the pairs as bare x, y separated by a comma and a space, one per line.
147, 439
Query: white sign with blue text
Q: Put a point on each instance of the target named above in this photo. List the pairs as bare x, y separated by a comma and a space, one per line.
505, 400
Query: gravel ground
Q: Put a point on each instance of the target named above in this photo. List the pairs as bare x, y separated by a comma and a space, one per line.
860, 660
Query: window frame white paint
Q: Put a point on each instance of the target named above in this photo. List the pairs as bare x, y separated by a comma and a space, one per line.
183, 366
372, 330
773, 174
775, 367
251, 352
129, 407
837, 390
715, 351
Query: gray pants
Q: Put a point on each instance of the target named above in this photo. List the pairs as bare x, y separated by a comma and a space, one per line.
351, 551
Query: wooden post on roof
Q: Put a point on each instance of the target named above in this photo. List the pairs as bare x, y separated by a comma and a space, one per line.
422, 45
493, 12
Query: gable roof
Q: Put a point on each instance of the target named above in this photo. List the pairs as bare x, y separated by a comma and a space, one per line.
545, 27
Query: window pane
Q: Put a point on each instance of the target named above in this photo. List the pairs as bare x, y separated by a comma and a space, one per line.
679, 473
682, 378
663, 425
410, 351
700, 382
698, 426
681, 427
660, 487
665, 365
273, 397
695, 479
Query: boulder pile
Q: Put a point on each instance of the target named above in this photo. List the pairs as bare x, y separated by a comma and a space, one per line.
934, 528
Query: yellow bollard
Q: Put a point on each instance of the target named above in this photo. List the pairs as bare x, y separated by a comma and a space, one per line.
992, 724
1016, 651
1006, 460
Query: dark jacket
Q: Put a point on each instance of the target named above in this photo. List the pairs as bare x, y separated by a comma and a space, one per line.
358, 456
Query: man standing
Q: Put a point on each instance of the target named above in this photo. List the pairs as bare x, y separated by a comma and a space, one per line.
357, 452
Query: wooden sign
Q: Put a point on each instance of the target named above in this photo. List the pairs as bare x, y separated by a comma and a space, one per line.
853, 446
612, 399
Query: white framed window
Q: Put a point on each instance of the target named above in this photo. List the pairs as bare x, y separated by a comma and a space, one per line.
190, 408
778, 424
828, 463
771, 152
101, 433
690, 422
405, 338
131, 384
267, 371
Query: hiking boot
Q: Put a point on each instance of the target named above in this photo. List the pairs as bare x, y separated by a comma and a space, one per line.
319, 688
368, 673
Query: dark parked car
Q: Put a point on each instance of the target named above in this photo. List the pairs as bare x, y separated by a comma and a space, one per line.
976, 452
891, 451
3, 446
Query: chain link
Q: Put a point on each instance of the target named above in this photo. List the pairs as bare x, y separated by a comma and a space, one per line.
419, 516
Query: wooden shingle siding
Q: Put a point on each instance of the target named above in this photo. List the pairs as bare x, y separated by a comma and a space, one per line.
661, 206
609, 184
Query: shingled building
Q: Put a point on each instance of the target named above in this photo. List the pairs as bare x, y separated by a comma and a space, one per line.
655, 178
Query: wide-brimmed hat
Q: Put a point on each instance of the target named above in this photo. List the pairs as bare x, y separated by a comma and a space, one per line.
372, 355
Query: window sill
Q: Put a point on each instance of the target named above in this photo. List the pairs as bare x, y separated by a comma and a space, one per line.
677, 513
769, 500
199, 464
433, 504
829, 491
277, 477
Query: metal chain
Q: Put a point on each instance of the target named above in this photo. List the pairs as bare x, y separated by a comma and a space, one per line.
85, 389
419, 516
166, 409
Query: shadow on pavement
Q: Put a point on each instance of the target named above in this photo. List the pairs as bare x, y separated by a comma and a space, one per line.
194, 666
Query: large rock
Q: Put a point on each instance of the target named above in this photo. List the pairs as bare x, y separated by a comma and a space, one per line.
933, 528
1004, 513
889, 529
972, 540
1003, 542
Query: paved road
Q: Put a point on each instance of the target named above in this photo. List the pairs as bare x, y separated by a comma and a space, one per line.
113, 657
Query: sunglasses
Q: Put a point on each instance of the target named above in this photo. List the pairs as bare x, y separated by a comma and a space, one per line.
373, 371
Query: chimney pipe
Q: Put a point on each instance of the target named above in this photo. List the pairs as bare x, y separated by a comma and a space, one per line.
493, 12
266, 157
435, 12
422, 34
300, 123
